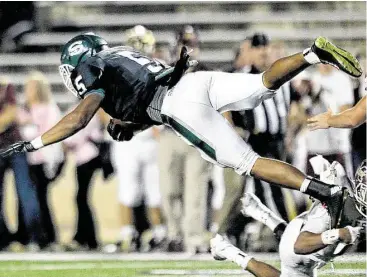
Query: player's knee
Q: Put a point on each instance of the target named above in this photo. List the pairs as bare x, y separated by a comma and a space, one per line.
247, 163
241, 159
270, 83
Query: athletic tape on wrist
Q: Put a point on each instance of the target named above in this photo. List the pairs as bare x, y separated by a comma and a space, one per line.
242, 260
37, 143
354, 233
330, 236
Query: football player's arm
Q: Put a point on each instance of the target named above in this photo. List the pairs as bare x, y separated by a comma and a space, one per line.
349, 118
74, 121
308, 242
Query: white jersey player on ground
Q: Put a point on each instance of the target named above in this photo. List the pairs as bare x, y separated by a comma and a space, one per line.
306, 243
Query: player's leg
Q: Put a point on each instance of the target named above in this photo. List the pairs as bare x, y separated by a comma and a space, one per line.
190, 109
321, 51
127, 164
170, 163
222, 249
240, 91
252, 206
195, 197
261, 269
85, 234
218, 142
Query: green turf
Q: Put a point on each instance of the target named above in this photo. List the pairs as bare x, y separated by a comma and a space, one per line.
126, 268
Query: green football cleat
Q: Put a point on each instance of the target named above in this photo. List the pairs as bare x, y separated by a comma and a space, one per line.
328, 53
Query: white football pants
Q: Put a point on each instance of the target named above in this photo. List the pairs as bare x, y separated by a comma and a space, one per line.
137, 171
193, 109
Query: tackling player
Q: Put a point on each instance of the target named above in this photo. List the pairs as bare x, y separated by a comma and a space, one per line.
129, 87
306, 243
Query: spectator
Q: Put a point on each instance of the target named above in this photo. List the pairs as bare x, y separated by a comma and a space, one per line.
45, 165
86, 153
184, 176
26, 190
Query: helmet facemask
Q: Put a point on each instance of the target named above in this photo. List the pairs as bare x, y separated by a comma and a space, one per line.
360, 190
65, 72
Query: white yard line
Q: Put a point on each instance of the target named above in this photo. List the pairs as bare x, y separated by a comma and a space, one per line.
158, 272
5, 256
231, 272
67, 266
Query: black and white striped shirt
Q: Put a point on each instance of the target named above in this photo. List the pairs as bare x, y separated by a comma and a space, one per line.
270, 117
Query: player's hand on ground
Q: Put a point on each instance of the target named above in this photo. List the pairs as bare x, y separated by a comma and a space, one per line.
18, 147
319, 121
349, 234
120, 131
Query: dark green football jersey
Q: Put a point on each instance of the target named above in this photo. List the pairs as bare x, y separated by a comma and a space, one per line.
125, 77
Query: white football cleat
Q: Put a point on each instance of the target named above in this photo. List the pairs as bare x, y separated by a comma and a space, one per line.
217, 245
221, 249
253, 207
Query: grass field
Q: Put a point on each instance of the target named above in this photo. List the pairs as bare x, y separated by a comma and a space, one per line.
149, 265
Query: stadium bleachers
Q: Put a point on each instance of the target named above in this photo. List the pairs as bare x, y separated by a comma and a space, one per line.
222, 26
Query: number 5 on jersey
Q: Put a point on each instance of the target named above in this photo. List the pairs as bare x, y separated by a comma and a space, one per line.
80, 87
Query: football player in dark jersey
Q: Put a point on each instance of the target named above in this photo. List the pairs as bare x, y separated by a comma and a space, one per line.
128, 86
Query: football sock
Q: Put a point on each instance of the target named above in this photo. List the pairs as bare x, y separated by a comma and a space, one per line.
242, 259
318, 189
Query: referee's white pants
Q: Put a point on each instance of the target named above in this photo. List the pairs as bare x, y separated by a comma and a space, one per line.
192, 108
137, 172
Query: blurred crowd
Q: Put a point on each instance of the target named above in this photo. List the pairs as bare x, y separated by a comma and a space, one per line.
170, 198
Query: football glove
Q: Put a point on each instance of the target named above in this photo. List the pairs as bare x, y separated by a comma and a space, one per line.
172, 75
121, 131
180, 67
18, 147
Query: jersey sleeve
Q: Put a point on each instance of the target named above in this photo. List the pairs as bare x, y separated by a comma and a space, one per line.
87, 76
99, 91
317, 220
